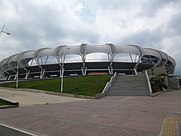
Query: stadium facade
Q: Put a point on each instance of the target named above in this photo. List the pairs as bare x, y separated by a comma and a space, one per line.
84, 59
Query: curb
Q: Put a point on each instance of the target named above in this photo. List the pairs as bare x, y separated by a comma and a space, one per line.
157, 93
13, 104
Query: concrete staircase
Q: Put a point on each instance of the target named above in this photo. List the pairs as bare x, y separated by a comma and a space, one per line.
129, 85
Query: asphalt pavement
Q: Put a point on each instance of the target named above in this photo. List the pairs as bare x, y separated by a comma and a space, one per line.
9, 131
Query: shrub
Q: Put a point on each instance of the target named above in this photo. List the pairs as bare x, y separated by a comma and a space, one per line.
157, 83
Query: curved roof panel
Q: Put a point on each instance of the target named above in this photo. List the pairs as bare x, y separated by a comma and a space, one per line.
45, 52
4, 61
171, 60
26, 55
163, 55
126, 49
57, 49
36, 52
97, 49
13, 58
152, 52
4, 64
69, 50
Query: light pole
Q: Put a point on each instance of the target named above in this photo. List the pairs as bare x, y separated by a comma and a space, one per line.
75, 83
62, 79
4, 31
17, 72
62, 68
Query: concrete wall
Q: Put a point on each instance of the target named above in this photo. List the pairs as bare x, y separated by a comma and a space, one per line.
159, 70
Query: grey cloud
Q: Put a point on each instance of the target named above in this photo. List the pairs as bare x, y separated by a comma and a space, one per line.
113, 4
150, 8
44, 26
52, 26
174, 24
85, 36
153, 39
35, 25
178, 64
175, 51
84, 12
1, 4
144, 38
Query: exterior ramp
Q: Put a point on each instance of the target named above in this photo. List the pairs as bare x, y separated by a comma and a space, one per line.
129, 85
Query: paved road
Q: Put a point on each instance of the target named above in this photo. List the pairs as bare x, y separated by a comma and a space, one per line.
6, 131
110, 116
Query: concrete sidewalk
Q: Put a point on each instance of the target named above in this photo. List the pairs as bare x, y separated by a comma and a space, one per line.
110, 116
26, 98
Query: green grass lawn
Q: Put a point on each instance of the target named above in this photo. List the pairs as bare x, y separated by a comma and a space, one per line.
85, 85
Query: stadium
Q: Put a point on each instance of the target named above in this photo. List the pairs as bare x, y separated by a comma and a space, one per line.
84, 59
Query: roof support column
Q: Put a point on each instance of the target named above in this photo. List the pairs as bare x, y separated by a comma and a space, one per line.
83, 56
27, 74
42, 73
131, 57
8, 77
140, 56
61, 78
46, 60
135, 71
84, 70
110, 69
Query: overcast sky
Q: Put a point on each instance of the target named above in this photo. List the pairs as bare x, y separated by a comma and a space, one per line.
35, 24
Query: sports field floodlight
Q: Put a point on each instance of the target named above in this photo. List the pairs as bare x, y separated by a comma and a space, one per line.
4, 31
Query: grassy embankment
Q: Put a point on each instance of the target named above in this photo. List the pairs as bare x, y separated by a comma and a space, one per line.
3, 102
86, 85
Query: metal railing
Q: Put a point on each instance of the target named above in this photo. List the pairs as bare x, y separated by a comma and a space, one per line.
148, 81
108, 84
